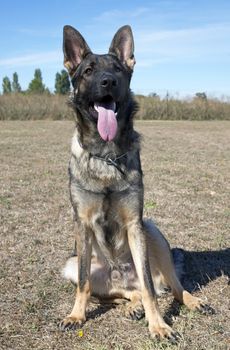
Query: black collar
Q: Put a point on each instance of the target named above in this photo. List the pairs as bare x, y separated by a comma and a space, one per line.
111, 159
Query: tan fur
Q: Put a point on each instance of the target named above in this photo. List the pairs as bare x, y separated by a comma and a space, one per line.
77, 315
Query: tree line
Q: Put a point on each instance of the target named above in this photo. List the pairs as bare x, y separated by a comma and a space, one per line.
62, 84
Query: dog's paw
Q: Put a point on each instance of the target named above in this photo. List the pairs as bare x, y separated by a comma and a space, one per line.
70, 323
135, 311
164, 332
197, 304
205, 309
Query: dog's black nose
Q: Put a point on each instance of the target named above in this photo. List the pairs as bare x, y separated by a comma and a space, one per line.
108, 81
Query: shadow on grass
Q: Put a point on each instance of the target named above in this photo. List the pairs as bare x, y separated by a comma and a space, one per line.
196, 269
199, 269
100, 310
205, 266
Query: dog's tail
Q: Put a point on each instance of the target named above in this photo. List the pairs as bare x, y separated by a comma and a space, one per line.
70, 270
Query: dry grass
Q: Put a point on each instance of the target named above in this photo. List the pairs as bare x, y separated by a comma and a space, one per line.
174, 109
44, 106
34, 107
186, 167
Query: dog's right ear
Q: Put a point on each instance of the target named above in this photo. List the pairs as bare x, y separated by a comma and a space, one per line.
75, 48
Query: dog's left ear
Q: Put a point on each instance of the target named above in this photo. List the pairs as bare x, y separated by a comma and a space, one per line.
123, 46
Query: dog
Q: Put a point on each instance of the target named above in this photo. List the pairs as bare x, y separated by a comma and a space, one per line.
119, 253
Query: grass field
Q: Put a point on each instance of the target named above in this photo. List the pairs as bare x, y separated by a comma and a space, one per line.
187, 186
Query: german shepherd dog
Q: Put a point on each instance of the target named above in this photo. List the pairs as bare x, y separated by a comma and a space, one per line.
119, 254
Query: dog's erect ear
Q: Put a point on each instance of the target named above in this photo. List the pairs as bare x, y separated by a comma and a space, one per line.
75, 48
123, 46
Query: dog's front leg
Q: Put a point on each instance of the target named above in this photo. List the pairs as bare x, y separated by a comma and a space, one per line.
84, 249
138, 247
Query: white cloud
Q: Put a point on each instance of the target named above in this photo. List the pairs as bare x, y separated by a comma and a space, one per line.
118, 14
149, 62
32, 59
46, 33
195, 44
197, 33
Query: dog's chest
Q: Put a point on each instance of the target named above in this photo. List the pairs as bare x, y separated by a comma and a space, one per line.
108, 217
110, 235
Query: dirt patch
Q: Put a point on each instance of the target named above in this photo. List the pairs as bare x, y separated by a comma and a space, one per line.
186, 167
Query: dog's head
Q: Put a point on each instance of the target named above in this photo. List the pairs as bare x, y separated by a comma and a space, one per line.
100, 82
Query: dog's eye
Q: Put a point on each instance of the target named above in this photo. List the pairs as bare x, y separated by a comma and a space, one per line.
88, 71
117, 68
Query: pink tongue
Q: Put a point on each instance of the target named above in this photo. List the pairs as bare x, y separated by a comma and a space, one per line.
107, 122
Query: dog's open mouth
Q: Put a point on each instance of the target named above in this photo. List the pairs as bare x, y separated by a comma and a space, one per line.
106, 113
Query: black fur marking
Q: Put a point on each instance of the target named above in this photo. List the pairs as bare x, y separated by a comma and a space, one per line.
83, 275
148, 279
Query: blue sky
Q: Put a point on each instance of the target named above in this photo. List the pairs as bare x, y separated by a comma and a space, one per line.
180, 46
